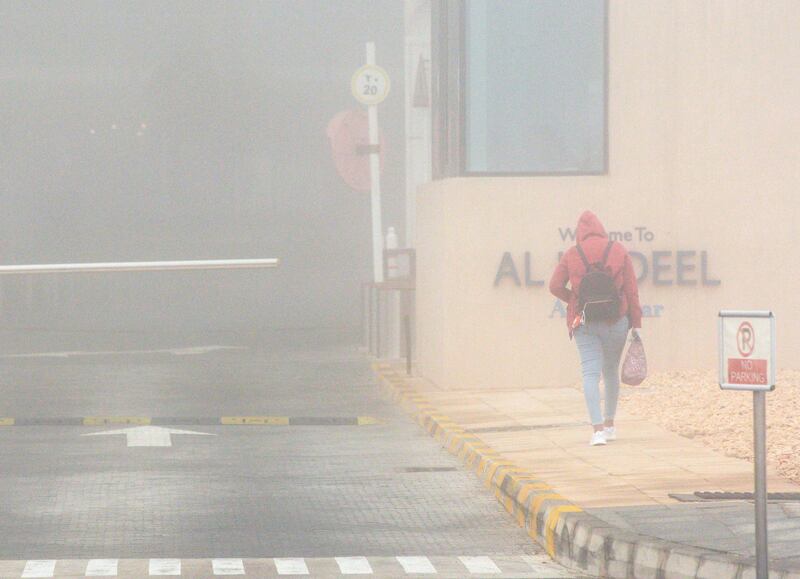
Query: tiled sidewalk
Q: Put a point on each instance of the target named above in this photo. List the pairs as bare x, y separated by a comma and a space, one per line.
624, 485
546, 430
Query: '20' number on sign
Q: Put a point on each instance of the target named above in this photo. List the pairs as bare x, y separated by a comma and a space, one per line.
370, 84
370, 87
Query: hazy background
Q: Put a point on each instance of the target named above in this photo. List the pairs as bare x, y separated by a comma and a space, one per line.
164, 130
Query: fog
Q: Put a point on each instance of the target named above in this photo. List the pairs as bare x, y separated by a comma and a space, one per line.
188, 130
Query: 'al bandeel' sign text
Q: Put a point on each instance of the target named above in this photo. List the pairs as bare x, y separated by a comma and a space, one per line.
683, 267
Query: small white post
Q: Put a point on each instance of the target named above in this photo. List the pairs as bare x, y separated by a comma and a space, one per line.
393, 301
375, 181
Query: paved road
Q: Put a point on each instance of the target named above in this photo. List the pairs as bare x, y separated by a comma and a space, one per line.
317, 488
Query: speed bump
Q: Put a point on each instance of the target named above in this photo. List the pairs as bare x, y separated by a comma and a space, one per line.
106, 420
256, 420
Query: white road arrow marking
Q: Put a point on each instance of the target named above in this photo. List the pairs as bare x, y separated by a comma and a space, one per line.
148, 435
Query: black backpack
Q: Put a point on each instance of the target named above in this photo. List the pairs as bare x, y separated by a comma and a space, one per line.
598, 297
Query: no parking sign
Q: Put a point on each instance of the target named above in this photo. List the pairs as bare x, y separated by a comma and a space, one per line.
747, 362
746, 350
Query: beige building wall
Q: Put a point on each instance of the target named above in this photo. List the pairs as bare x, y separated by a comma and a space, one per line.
704, 152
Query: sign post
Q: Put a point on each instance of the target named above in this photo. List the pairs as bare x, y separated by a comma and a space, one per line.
370, 86
747, 362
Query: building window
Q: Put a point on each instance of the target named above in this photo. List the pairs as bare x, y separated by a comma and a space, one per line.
532, 84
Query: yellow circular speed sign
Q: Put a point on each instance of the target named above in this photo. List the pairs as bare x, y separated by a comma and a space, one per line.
370, 84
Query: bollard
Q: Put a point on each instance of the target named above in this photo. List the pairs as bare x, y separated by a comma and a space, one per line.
372, 319
407, 328
377, 323
364, 318
393, 320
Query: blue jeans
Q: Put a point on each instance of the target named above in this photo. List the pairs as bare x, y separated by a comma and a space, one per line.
600, 346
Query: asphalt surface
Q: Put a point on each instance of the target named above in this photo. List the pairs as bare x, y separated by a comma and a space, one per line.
333, 489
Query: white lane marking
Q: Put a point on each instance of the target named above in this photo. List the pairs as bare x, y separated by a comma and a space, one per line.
419, 565
228, 566
480, 565
354, 565
165, 567
102, 568
148, 435
291, 566
190, 351
39, 568
202, 350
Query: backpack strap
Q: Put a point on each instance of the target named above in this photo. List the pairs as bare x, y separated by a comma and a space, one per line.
605, 253
586, 261
583, 257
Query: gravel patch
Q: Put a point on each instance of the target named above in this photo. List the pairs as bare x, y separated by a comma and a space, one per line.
691, 403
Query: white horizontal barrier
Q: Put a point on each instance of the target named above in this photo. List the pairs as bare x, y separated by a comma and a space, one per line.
138, 266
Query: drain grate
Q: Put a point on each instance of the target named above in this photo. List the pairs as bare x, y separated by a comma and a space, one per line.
731, 496
428, 469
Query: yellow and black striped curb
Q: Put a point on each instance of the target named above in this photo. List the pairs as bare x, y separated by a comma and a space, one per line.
193, 421
570, 535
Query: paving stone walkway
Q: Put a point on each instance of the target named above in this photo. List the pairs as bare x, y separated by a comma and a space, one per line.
631, 483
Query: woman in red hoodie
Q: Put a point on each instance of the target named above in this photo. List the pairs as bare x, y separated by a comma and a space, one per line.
600, 341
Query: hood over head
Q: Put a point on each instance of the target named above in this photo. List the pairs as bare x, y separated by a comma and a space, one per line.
589, 226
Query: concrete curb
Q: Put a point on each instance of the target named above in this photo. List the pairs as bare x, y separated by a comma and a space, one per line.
571, 536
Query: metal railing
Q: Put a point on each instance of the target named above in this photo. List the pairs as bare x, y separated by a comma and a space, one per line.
374, 301
32, 295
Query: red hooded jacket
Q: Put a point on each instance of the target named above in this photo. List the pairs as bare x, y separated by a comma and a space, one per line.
593, 239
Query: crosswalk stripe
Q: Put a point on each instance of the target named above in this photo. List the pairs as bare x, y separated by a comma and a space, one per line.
354, 565
165, 567
534, 565
419, 565
102, 568
39, 568
228, 566
291, 566
480, 565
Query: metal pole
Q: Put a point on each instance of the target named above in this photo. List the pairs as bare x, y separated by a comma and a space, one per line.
377, 323
371, 320
375, 181
407, 326
760, 447
363, 304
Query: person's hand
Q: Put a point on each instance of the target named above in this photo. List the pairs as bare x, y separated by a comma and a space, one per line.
635, 334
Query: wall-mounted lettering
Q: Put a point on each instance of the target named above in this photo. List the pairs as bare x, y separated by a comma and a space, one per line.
641, 234
648, 310
663, 268
683, 268
508, 269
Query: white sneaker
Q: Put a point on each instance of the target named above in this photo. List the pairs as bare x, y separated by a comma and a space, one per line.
598, 438
610, 432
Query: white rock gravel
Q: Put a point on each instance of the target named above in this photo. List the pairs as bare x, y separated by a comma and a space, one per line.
692, 404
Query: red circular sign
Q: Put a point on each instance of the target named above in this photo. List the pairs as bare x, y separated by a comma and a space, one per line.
348, 132
745, 339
